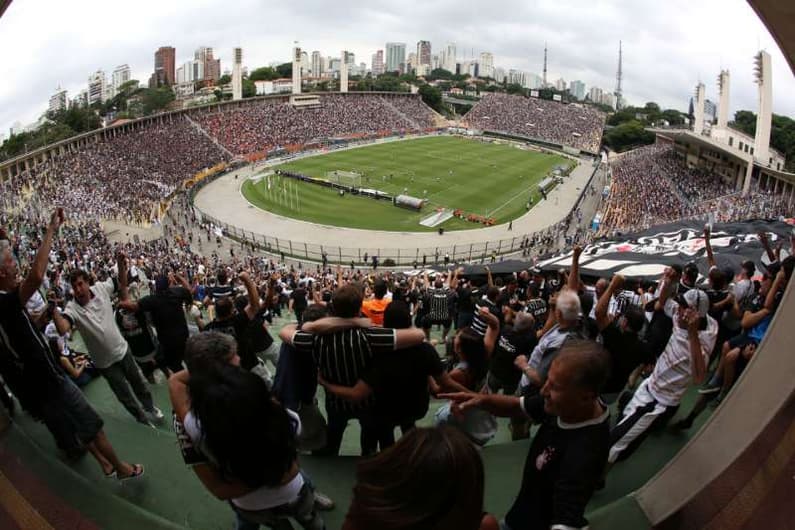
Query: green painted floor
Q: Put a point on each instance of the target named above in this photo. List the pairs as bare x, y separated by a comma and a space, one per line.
170, 493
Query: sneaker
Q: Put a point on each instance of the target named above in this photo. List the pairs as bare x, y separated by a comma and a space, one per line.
157, 414
709, 388
323, 502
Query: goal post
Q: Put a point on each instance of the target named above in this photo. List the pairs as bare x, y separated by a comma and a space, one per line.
350, 179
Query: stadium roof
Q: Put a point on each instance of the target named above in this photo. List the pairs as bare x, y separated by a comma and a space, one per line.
3, 6
779, 17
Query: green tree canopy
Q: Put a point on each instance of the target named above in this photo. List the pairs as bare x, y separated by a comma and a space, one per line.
266, 73
628, 135
285, 70
432, 97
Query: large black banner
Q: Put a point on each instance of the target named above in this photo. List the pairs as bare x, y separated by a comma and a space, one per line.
645, 254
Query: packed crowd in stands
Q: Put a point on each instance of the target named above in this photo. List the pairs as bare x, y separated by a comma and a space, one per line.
125, 177
546, 345
572, 125
678, 192
272, 123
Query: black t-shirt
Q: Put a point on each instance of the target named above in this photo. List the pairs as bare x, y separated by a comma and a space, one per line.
538, 308
400, 381
465, 303
26, 361
134, 329
168, 315
563, 467
478, 324
299, 299
509, 346
238, 327
260, 337
626, 351
714, 298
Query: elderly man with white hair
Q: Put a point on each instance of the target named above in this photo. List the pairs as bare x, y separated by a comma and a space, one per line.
567, 313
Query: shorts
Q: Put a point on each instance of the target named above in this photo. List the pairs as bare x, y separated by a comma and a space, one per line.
740, 341
69, 417
429, 322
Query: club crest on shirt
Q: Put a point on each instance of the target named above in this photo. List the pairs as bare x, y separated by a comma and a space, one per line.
545, 458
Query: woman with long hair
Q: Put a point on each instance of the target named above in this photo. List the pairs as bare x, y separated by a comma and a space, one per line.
432, 479
241, 443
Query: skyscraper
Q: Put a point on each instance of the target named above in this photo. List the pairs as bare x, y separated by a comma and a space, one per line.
165, 62
424, 53
486, 68
317, 64
210, 65
577, 89
377, 65
97, 87
450, 58
395, 56
59, 100
121, 74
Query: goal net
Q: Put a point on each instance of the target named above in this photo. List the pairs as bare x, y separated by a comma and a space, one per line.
345, 178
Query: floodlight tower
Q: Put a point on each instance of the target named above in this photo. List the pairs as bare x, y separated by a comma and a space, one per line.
698, 109
344, 71
296, 69
764, 116
544, 79
237, 74
619, 76
723, 108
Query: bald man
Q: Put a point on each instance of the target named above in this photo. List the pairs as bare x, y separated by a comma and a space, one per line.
568, 455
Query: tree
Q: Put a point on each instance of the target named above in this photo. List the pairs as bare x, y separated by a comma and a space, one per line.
156, 99
628, 135
514, 88
432, 97
249, 88
745, 121
285, 70
652, 107
439, 73
266, 73
672, 116
225, 80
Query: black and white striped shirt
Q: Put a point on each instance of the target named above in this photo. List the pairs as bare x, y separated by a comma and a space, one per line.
343, 357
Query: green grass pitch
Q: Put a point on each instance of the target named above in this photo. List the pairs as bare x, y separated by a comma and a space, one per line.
493, 180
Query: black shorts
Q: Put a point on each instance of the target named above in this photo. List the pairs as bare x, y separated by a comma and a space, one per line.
740, 341
429, 322
69, 418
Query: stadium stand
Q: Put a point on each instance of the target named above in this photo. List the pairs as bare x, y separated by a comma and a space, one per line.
571, 125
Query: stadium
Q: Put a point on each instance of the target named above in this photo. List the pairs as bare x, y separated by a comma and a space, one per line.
320, 193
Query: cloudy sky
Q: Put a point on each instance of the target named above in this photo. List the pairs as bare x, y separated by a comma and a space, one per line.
668, 46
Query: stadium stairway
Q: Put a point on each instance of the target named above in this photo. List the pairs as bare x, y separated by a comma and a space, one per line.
414, 125
212, 138
60, 495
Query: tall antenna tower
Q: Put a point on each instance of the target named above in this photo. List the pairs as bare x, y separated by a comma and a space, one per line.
619, 77
544, 80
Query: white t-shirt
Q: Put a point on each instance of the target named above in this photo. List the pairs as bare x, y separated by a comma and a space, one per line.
266, 496
97, 325
673, 372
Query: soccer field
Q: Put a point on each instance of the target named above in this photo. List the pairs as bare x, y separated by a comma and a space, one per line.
486, 179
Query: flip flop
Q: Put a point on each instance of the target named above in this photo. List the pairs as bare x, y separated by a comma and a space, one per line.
111, 474
138, 471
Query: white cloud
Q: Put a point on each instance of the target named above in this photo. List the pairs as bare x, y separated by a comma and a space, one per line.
668, 46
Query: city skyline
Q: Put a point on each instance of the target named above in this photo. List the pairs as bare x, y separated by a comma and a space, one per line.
658, 61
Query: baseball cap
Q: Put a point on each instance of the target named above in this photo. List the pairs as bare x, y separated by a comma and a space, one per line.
695, 299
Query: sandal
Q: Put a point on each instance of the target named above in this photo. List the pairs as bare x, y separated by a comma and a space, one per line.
111, 473
138, 471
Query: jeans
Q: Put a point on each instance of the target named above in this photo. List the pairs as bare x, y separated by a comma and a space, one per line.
127, 382
338, 422
302, 510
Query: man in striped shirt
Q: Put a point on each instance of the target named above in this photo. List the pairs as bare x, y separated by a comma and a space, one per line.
343, 347
683, 360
